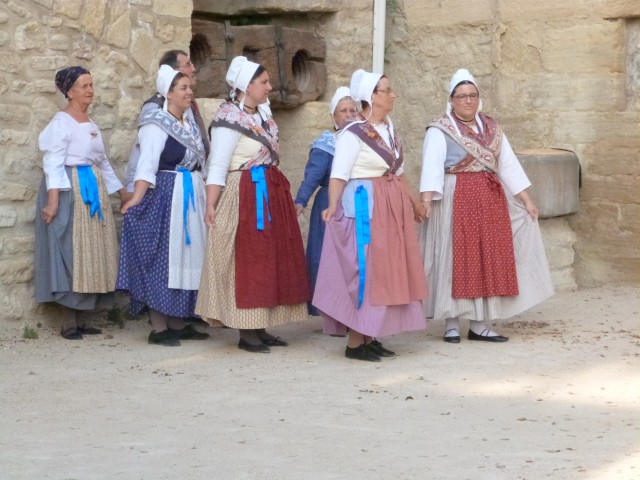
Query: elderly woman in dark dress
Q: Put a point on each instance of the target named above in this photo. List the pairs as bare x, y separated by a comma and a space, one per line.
316, 174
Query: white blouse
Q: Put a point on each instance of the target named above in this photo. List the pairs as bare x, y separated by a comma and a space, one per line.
224, 142
67, 143
434, 154
348, 147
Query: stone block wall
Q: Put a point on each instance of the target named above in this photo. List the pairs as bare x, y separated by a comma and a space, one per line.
120, 42
555, 75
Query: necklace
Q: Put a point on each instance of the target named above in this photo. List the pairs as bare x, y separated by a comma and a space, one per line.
249, 109
473, 120
181, 120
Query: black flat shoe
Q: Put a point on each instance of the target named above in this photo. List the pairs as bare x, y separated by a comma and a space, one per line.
269, 339
249, 347
361, 352
71, 334
89, 330
164, 338
189, 333
452, 338
484, 338
274, 342
376, 347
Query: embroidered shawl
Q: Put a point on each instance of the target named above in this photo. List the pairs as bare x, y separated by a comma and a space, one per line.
392, 155
191, 139
231, 116
325, 142
483, 149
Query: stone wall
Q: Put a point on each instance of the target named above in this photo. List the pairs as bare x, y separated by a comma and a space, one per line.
554, 74
120, 41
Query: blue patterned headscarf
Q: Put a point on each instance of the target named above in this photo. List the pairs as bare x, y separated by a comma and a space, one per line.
66, 77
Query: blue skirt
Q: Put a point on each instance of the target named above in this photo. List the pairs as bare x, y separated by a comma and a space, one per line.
144, 254
314, 241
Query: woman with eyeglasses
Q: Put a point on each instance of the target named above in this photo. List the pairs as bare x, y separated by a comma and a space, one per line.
483, 253
370, 279
316, 174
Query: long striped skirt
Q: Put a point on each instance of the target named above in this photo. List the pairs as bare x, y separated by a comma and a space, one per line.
532, 269
76, 255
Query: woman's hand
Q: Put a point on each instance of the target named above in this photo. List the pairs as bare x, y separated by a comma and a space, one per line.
427, 208
50, 210
132, 202
328, 214
419, 212
336, 187
426, 197
124, 197
299, 209
139, 190
532, 210
210, 216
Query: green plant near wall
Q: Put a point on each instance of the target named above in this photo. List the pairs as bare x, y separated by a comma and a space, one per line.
117, 316
29, 333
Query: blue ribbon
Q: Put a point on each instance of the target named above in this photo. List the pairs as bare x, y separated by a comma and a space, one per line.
89, 190
188, 196
262, 196
363, 234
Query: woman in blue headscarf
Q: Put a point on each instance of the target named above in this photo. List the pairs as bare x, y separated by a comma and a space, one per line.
76, 246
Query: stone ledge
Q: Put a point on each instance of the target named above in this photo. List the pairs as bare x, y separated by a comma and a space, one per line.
253, 7
555, 178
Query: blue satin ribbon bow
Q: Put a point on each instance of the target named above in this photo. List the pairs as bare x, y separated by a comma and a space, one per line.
262, 196
188, 196
89, 190
363, 235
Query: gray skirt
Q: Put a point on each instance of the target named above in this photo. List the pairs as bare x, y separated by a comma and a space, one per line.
54, 255
532, 269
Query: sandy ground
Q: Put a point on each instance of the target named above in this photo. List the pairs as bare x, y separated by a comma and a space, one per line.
560, 400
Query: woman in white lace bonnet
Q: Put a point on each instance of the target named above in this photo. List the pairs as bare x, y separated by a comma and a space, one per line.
484, 256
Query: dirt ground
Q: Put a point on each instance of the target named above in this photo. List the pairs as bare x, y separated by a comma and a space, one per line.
560, 400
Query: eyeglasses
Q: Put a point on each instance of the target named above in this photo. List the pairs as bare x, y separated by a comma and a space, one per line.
463, 98
388, 91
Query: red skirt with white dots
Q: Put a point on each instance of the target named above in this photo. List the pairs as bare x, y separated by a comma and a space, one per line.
483, 259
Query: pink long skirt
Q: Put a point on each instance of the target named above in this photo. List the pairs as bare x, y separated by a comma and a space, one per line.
391, 272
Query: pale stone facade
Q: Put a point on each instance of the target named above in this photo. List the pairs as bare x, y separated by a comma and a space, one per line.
120, 41
554, 75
